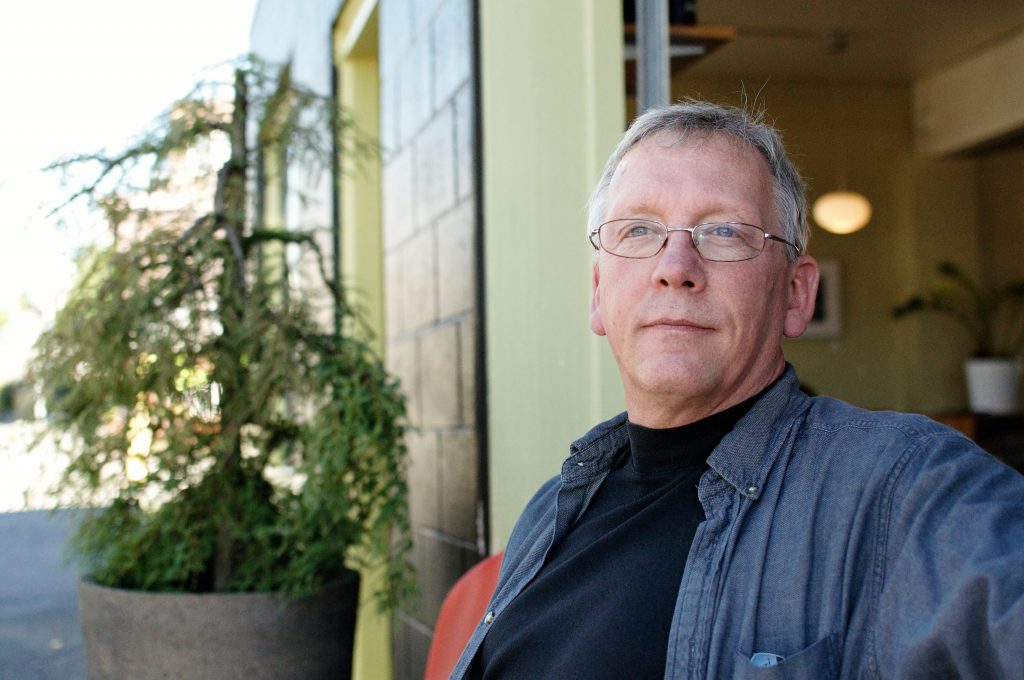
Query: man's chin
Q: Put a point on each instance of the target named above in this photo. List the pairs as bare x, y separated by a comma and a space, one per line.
680, 382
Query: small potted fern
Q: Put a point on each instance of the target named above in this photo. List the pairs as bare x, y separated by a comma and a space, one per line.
994, 320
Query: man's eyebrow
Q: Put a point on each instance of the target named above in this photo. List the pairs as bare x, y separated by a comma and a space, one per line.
646, 212
635, 213
641, 208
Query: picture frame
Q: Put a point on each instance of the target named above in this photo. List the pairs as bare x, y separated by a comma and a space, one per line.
827, 321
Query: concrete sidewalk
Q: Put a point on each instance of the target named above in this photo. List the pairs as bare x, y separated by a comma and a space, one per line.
39, 634
40, 637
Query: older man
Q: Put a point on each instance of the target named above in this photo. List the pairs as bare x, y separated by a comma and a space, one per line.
728, 525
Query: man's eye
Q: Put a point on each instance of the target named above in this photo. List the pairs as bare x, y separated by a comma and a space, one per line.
638, 230
723, 231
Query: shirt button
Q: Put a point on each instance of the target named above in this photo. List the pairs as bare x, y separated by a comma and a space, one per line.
751, 490
489, 618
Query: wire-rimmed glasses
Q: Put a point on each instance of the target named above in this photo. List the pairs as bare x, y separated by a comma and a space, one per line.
715, 241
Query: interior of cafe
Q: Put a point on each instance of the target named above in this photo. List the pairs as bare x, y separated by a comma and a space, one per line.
905, 120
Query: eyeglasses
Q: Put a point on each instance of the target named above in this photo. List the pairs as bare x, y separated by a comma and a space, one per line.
715, 241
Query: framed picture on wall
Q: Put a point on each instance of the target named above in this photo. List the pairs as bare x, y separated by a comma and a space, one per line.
827, 321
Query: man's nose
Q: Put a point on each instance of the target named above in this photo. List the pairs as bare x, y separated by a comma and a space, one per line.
679, 265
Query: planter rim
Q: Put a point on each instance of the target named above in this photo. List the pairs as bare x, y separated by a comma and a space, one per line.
343, 578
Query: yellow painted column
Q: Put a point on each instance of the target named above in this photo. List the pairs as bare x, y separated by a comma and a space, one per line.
553, 102
355, 57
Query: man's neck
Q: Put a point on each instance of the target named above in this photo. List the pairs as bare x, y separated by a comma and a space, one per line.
665, 412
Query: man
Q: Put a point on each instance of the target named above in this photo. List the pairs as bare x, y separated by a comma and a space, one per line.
728, 525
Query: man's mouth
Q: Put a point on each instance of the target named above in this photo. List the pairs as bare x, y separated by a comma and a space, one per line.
672, 323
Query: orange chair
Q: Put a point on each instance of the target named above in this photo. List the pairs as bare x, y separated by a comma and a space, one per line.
463, 607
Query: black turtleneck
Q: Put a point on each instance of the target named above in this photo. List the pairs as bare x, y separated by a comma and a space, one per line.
602, 604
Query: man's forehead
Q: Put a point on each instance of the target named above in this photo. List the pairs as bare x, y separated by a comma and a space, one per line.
734, 179
646, 156
695, 139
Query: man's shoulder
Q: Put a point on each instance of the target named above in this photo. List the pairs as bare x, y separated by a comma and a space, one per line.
546, 493
828, 413
890, 435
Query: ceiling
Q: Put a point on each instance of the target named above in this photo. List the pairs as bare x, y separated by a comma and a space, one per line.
887, 41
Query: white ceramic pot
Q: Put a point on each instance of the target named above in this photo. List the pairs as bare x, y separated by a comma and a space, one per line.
993, 385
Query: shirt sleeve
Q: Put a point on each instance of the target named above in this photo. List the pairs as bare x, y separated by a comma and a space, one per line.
949, 578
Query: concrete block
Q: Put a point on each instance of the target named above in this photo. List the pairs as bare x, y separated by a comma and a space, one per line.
419, 298
398, 204
451, 36
467, 370
424, 479
465, 143
440, 377
402, 361
439, 564
459, 484
389, 118
418, 646
394, 291
456, 282
435, 167
395, 28
400, 645
414, 108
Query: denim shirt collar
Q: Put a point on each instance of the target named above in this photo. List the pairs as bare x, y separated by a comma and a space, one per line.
596, 452
746, 455
743, 458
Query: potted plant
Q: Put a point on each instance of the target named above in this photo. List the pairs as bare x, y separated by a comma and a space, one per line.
233, 450
995, 321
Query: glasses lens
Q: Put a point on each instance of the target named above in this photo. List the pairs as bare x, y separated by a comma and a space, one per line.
728, 241
632, 238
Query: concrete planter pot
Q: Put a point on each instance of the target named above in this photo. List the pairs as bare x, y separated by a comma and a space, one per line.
993, 385
221, 636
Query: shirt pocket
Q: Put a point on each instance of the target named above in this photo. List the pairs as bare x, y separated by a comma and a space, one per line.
820, 661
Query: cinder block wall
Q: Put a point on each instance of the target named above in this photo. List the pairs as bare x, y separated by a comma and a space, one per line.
427, 100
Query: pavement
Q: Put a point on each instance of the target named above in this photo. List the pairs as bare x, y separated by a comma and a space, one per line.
40, 637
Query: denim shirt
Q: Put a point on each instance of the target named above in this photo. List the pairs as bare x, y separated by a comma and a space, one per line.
853, 544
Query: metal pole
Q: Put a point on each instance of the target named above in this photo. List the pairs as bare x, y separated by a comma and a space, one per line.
652, 54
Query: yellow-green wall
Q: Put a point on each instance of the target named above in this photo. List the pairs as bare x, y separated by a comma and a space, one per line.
362, 255
355, 57
552, 110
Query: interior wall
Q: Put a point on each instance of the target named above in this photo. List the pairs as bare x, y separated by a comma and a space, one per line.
1001, 187
859, 137
1001, 184
945, 226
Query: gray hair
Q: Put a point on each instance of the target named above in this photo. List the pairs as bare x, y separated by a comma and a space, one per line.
695, 117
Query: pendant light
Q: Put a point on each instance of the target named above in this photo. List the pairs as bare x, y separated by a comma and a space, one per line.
840, 211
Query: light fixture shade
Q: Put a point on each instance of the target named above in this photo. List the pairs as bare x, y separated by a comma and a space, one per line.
841, 212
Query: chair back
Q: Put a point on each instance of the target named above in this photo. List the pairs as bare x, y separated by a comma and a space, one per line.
463, 607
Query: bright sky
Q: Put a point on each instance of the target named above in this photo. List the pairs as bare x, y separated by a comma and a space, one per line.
78, 76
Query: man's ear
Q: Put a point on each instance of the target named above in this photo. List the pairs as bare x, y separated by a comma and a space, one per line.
803, 291
596, 323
